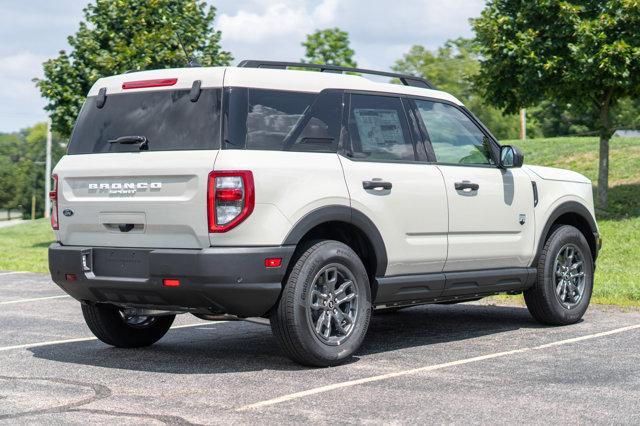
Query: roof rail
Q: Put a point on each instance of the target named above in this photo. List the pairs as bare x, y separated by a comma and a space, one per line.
406, 79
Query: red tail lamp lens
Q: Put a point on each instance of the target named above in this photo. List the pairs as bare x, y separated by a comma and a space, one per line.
230, 198
273, 262
70, 277
170, 282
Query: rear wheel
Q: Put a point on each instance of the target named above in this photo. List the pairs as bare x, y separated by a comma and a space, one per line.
112, 326
323, 314
565, 279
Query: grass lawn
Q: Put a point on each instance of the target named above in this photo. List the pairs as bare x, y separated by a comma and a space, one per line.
24, 247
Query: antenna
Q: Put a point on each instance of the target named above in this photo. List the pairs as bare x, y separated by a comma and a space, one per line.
191, 61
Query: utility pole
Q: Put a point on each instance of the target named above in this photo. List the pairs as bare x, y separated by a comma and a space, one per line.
523, 124
47, 173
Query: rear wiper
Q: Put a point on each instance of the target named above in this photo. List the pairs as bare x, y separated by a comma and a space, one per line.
132, 139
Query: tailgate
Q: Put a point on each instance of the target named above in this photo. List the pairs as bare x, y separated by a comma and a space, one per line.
135, 199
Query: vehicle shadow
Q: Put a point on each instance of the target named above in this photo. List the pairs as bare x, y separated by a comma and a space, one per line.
245, 347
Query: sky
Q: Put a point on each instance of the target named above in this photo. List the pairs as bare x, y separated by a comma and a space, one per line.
381, 31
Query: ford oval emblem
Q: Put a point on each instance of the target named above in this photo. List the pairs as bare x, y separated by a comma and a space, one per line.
67, 212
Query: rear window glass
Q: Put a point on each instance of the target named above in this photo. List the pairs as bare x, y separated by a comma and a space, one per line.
168, 119
261, 119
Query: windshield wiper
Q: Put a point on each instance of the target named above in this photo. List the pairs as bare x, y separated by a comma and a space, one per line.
132, 139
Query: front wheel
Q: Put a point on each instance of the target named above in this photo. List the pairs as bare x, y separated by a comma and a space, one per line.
112, 326
565, 279
325, 308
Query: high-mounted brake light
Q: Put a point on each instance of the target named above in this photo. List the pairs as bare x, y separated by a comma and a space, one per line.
141, 84
230, 198
53, 196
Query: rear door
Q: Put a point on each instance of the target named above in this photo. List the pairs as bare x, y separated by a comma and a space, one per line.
491, 223
390, 181
137, 168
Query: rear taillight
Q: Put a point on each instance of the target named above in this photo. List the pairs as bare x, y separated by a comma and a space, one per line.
53, 196
230, 199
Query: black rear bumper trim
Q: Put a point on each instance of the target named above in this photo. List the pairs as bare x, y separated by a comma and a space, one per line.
231, 280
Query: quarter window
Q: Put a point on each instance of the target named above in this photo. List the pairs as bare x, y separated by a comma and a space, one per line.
279, 120
454, 137
378, 129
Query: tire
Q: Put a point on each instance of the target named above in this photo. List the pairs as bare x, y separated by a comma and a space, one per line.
547, 302
109, 325
307, 295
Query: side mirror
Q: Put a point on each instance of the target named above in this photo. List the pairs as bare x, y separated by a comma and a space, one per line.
510, 157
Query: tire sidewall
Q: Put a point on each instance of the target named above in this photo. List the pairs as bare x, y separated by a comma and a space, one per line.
562, 236
331, 252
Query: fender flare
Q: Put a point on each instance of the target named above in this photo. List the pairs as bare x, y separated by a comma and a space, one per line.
564, 208
338, 213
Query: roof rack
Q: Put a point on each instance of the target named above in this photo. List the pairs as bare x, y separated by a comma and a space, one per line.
406, 79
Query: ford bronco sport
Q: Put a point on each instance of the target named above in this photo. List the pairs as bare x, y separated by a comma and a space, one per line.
306, 198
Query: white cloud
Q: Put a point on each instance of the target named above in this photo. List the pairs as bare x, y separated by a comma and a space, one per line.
20, 102
325, 12
380, 31
276, 21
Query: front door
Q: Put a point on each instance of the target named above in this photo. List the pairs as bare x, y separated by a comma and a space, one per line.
491, 223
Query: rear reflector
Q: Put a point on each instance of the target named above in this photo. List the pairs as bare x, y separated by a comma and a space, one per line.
140, 84
273, 262
53, 196
70, 277
168, 282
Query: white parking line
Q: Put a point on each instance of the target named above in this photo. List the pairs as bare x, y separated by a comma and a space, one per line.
37, 299
88, 339
12, 273
425, 369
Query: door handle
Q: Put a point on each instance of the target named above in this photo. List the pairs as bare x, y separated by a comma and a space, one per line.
465, 184
375, 184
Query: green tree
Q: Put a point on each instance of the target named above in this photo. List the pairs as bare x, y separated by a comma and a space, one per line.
329, 46
583, 52
122, 35
22, 169
452, 68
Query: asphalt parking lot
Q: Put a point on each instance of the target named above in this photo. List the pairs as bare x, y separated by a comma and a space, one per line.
469, 363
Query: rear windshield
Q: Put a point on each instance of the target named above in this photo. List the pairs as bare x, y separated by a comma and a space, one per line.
167, 119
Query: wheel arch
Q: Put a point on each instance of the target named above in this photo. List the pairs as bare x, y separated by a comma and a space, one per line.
574, 214
349, 226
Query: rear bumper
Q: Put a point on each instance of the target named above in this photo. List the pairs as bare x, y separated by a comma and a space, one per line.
232, 280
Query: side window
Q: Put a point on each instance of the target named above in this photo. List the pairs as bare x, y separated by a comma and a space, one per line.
272, 115
319, 128
378, 129
454, 137
281, 120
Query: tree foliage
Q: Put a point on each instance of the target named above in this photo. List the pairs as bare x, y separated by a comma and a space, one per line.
22, 168
582, 52
452, 68
329, 46
122, 35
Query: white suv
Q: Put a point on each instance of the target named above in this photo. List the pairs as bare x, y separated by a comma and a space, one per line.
309, 198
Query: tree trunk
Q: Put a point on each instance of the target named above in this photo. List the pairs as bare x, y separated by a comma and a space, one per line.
605, 135
603, 171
